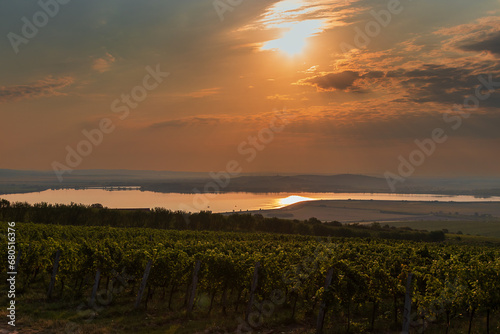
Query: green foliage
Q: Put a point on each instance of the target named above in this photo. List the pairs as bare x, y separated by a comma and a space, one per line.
449, 279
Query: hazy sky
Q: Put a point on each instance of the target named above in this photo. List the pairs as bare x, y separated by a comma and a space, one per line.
359, 82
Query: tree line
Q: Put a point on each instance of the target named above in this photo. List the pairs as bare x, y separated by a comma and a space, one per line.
160, 218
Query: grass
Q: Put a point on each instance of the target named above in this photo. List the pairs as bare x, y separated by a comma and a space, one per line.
483, 228
416, 207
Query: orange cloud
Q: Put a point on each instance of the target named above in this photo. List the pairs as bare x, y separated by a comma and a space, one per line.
103, 64
42, 88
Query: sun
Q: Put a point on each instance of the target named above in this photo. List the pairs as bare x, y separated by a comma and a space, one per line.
293, 40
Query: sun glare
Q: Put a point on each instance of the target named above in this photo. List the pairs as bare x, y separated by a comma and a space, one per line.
293, 41
297, 21
293, 199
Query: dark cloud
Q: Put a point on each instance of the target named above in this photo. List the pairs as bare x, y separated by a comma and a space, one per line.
345, 80
491, 44
332, 81
42, 88
429, 83
443, 84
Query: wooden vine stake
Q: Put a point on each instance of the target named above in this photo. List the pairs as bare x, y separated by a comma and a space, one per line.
253, 287
143, 284
94, 289
194, 283
54, 274
407, 310
323, 307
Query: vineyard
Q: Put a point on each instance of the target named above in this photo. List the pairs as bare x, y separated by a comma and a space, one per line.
258, 280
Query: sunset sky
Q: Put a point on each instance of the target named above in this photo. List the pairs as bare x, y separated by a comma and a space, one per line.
354, 102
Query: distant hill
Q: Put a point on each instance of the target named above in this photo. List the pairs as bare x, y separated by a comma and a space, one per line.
309, 183
21, 181
334, 183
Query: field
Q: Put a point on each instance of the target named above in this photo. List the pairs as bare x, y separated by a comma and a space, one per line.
246, 282
475, 218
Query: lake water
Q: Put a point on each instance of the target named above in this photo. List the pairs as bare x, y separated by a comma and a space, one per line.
222, 202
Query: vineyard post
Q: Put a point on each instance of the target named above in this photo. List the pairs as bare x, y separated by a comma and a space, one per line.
54, 273
193, 286
96, 285
407, 310
322, 309
143, 284
252, 289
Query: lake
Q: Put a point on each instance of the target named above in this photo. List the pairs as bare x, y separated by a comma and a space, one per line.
221, 202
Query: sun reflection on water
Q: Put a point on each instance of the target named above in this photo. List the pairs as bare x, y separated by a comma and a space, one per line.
293, 199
